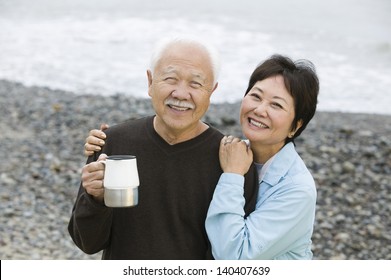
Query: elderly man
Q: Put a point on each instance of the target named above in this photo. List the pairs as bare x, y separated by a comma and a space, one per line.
178, 163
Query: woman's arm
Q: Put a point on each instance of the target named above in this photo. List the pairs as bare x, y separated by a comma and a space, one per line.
284, 217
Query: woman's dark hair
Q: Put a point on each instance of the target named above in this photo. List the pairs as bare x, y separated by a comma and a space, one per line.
300, 80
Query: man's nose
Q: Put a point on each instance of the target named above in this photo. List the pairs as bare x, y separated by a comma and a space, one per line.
181, 91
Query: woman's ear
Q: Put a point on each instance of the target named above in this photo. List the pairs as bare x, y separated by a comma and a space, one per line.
298, 125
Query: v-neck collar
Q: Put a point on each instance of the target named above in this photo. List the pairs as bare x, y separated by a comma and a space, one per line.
179, 147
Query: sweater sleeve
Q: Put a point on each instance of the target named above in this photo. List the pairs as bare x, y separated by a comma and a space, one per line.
90, 224
266, 232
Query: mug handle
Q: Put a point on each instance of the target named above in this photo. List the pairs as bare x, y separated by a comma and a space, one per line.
103, 161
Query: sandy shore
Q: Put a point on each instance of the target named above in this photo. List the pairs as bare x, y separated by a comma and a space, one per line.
42, 133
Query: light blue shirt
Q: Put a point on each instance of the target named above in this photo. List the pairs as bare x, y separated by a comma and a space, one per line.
280, 227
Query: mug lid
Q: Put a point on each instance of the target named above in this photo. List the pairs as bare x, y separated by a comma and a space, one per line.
121, 157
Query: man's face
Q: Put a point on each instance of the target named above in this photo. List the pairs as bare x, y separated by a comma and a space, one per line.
180, 88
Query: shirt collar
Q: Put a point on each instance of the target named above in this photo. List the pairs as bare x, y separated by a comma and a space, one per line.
277, 166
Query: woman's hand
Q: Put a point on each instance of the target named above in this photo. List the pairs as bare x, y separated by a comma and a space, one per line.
95, 140
235, 155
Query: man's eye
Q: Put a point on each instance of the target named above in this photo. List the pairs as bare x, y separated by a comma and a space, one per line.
196, 84
170, 79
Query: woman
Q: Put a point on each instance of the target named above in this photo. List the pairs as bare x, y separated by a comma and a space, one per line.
279, 102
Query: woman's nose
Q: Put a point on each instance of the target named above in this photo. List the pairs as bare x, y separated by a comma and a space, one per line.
261, 110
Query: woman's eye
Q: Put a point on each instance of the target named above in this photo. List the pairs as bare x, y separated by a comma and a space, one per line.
277, 105
256, 96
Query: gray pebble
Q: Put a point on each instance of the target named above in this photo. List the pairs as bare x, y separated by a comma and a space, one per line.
42, 132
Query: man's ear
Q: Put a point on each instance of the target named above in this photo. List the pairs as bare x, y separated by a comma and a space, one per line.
216, 85
149, 75
214, 88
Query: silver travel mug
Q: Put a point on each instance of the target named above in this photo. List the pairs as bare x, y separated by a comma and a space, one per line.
121, 181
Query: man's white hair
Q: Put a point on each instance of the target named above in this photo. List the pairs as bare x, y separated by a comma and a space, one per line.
165, 43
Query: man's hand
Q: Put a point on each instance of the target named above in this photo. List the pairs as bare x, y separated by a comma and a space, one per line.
92, 178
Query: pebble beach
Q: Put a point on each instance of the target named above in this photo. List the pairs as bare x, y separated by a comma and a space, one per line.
42, 133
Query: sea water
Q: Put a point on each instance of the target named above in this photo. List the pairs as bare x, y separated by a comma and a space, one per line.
103, 46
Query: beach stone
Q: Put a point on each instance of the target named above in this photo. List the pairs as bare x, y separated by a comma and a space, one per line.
43, 133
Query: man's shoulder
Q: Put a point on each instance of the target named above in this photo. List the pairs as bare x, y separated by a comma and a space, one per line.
214, 132
127, 126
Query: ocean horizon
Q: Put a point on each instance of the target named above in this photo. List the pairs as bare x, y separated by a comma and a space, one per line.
103, 46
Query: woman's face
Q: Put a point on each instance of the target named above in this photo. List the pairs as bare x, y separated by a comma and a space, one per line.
267, 113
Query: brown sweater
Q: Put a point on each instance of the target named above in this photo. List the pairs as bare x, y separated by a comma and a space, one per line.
176, 187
